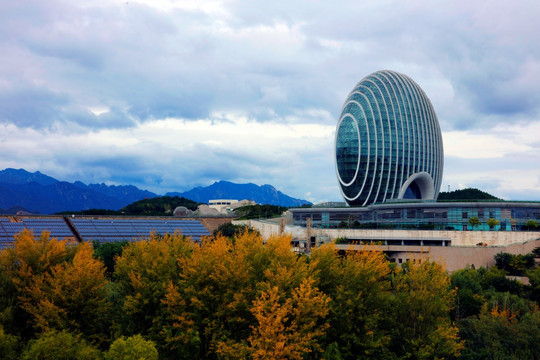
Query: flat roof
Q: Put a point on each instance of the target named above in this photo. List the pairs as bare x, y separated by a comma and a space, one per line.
425, 205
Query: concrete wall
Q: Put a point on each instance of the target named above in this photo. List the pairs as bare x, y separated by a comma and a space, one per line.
462, 252
453, 257
457, 238
266, 228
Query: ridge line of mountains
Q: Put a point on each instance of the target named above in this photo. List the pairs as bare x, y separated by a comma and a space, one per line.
38, 193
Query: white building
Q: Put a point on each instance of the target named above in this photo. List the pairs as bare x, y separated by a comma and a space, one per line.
225, 206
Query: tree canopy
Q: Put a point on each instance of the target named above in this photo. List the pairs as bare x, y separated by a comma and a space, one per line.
469, 194
239, 297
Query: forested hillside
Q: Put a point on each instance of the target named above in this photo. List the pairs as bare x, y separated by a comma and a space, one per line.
169, 298
158, 206
259, 211
468, 194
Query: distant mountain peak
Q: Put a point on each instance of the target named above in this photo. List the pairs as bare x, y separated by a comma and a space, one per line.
223, 189
44, 194
21, 176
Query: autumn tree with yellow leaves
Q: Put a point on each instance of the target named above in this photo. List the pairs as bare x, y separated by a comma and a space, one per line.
53, 287
217, 304
243, 297
142, 275
71, 296
288, 328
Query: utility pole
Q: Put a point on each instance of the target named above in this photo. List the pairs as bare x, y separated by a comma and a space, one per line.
281, 226
308, 235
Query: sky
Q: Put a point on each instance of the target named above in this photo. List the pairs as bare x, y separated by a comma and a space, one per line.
168, 95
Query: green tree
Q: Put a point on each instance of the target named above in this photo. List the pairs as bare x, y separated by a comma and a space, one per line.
421, 309
469, 300
492, 223
158, 206
469, 194
61, 345
531, 224
107, 253
341, 240
134, 347
359, 288
332, 352
258, 211
9, 345
502, 331
495, 279
474, 221
231, 230
503, 260
514, 264
534, 279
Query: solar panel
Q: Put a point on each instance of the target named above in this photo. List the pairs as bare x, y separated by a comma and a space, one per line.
57, 227
127, 229
103, 230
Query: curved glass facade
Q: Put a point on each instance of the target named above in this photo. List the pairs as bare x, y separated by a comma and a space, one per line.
388, 133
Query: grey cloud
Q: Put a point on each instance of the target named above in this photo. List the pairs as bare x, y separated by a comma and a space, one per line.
31, 106
76, 53
144, 64
158, 65
114, 118
163, 105
86, 120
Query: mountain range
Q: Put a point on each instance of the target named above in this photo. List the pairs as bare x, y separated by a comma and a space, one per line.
21, 190
264, 194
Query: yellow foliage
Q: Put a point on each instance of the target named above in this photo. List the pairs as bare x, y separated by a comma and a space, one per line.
69, 295
504, 313
31, 256
288, 328
146, 268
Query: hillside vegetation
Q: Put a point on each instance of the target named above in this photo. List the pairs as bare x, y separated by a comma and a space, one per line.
158, 206
167, 297
469, 194
259, 211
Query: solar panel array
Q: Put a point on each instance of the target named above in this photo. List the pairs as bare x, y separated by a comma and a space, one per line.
108, 230
102, 230
8, 229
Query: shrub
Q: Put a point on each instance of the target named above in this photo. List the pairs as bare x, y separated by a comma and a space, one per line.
134, 347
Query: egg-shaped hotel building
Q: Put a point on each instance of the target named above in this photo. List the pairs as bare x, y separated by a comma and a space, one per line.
389, 164
388, 142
